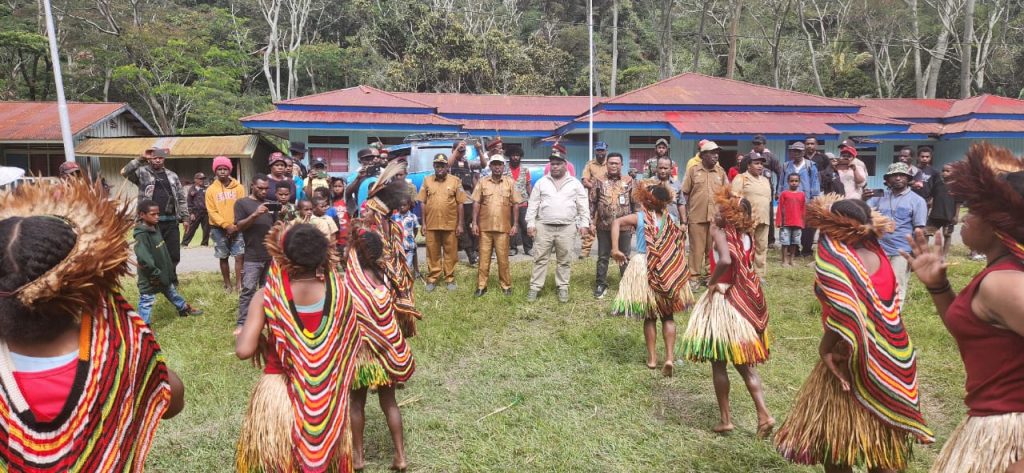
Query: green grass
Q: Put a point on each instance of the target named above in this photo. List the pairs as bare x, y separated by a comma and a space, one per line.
581, 397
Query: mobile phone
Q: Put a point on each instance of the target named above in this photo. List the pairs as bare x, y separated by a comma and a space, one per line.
273, 206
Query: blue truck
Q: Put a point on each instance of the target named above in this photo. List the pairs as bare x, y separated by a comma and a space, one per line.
419, 150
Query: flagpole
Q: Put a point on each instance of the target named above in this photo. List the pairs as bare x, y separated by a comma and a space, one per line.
62, 104
590, 111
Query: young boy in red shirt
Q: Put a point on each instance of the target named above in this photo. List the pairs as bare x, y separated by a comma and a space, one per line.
790, 217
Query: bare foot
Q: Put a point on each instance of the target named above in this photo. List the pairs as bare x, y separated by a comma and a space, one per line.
358, 464
765, 428
652, 364
666, 369
399, 464
723, 427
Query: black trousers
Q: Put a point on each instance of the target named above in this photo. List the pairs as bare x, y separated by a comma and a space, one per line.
771, 227
604, 252
522, 238
807, 241
172, 238
202, 219
467, 242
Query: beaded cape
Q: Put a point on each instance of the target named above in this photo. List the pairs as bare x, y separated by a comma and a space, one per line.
319, 366
667, 272
118, 396
746, 294
376, 218
882, 363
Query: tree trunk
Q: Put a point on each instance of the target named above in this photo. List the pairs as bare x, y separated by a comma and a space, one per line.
700, 36
810, 48
919, 80
965, 51
615, 49
734, 26
665, 45
779, 24
108, 74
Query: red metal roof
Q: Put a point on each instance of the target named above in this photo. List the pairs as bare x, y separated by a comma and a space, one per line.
350, 117
698, 89
359, 96
985, 125
742, 122
905, 108
555, 105
987, 104
512, 125
39, 121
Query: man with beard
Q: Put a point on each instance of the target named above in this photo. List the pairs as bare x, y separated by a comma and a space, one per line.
926, 174
611, 198
700, 185
442, 197
523, 185
813, 154
908, 211
663, 177
162, 186
558, 209
660, 151
595, 170
906, 156
279, 169
461, 168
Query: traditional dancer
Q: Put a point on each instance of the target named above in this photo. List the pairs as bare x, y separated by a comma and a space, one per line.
987, 317
860, 405
656, 282
70, 346
296, 418
729, 321
381, 282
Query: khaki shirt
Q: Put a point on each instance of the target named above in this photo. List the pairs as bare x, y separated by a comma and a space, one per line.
496, 200
441, 200
595, 171
700, 186
757, 191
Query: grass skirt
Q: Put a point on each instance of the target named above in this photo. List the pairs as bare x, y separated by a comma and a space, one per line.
717, 332
983, 444
828, 425
635, 298
370, 373
265, 443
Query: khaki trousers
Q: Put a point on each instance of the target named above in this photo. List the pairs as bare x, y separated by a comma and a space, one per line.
561, 239
588, 242
442, 254
700, 246
901, 270
760, 248
498, 243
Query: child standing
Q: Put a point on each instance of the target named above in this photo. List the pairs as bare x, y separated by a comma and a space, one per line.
945, 209
321, 221
339, 210
410, 225
288, 211
156, 271
792, 204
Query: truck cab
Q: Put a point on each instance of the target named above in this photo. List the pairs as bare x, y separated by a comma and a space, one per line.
419, 150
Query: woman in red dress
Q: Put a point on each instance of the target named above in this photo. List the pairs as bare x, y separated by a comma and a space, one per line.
987, 317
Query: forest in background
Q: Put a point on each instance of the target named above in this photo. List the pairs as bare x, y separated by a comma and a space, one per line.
195, 66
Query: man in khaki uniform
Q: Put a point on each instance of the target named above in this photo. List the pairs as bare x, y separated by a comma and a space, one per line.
595, 170
757, 189
495, 214
442, 198
699, 187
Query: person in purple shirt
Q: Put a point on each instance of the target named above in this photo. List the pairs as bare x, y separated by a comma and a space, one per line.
908, 212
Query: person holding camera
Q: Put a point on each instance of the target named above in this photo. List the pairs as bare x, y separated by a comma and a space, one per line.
362, 179
461, 168
161, 185
254, 217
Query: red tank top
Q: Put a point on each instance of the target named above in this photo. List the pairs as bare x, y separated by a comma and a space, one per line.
310, 320
47, 391
884, 280
993, 357
730, 277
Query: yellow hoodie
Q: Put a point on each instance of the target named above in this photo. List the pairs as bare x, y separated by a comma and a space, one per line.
220, 202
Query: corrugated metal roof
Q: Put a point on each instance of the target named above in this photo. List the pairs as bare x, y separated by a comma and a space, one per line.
698, 89
358, 96
350, 117
484, 104
232, 146
512, 125
985, 125
39, 121
987, 104
743, 122
906, 108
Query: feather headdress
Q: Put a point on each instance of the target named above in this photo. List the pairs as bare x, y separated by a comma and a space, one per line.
978, 181
93, 268
732, 211
394, 168
841, 227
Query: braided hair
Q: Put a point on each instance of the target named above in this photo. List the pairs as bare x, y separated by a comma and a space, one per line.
306, 247
368, 246
29, 247
854, 208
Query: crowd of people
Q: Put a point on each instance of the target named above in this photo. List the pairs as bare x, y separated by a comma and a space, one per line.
325, 276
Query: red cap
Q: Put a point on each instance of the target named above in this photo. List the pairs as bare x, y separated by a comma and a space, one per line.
494, 144
849, 150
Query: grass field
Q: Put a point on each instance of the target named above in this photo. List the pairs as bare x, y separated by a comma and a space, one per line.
580, 396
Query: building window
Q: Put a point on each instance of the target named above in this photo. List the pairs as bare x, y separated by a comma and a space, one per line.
387, 140
328, 140
648, 140
337, 158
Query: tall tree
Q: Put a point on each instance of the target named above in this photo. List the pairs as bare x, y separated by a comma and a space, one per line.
615, 49
665, 43
734, 26
965, 51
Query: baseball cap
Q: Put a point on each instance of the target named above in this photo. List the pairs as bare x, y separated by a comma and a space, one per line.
499, 158
709, 146
161, 152
797, 145
319, 161
557, 152
757, 157
850, 150
600, 146
277, 156
661, 141
898, 168
69, 167
846, 144
494, 143
365, 153
440, 158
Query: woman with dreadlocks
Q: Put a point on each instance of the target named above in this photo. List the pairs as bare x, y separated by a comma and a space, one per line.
729, 321
70, 345
655, 285
861, 404
381, 286
987, 317
297, 414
